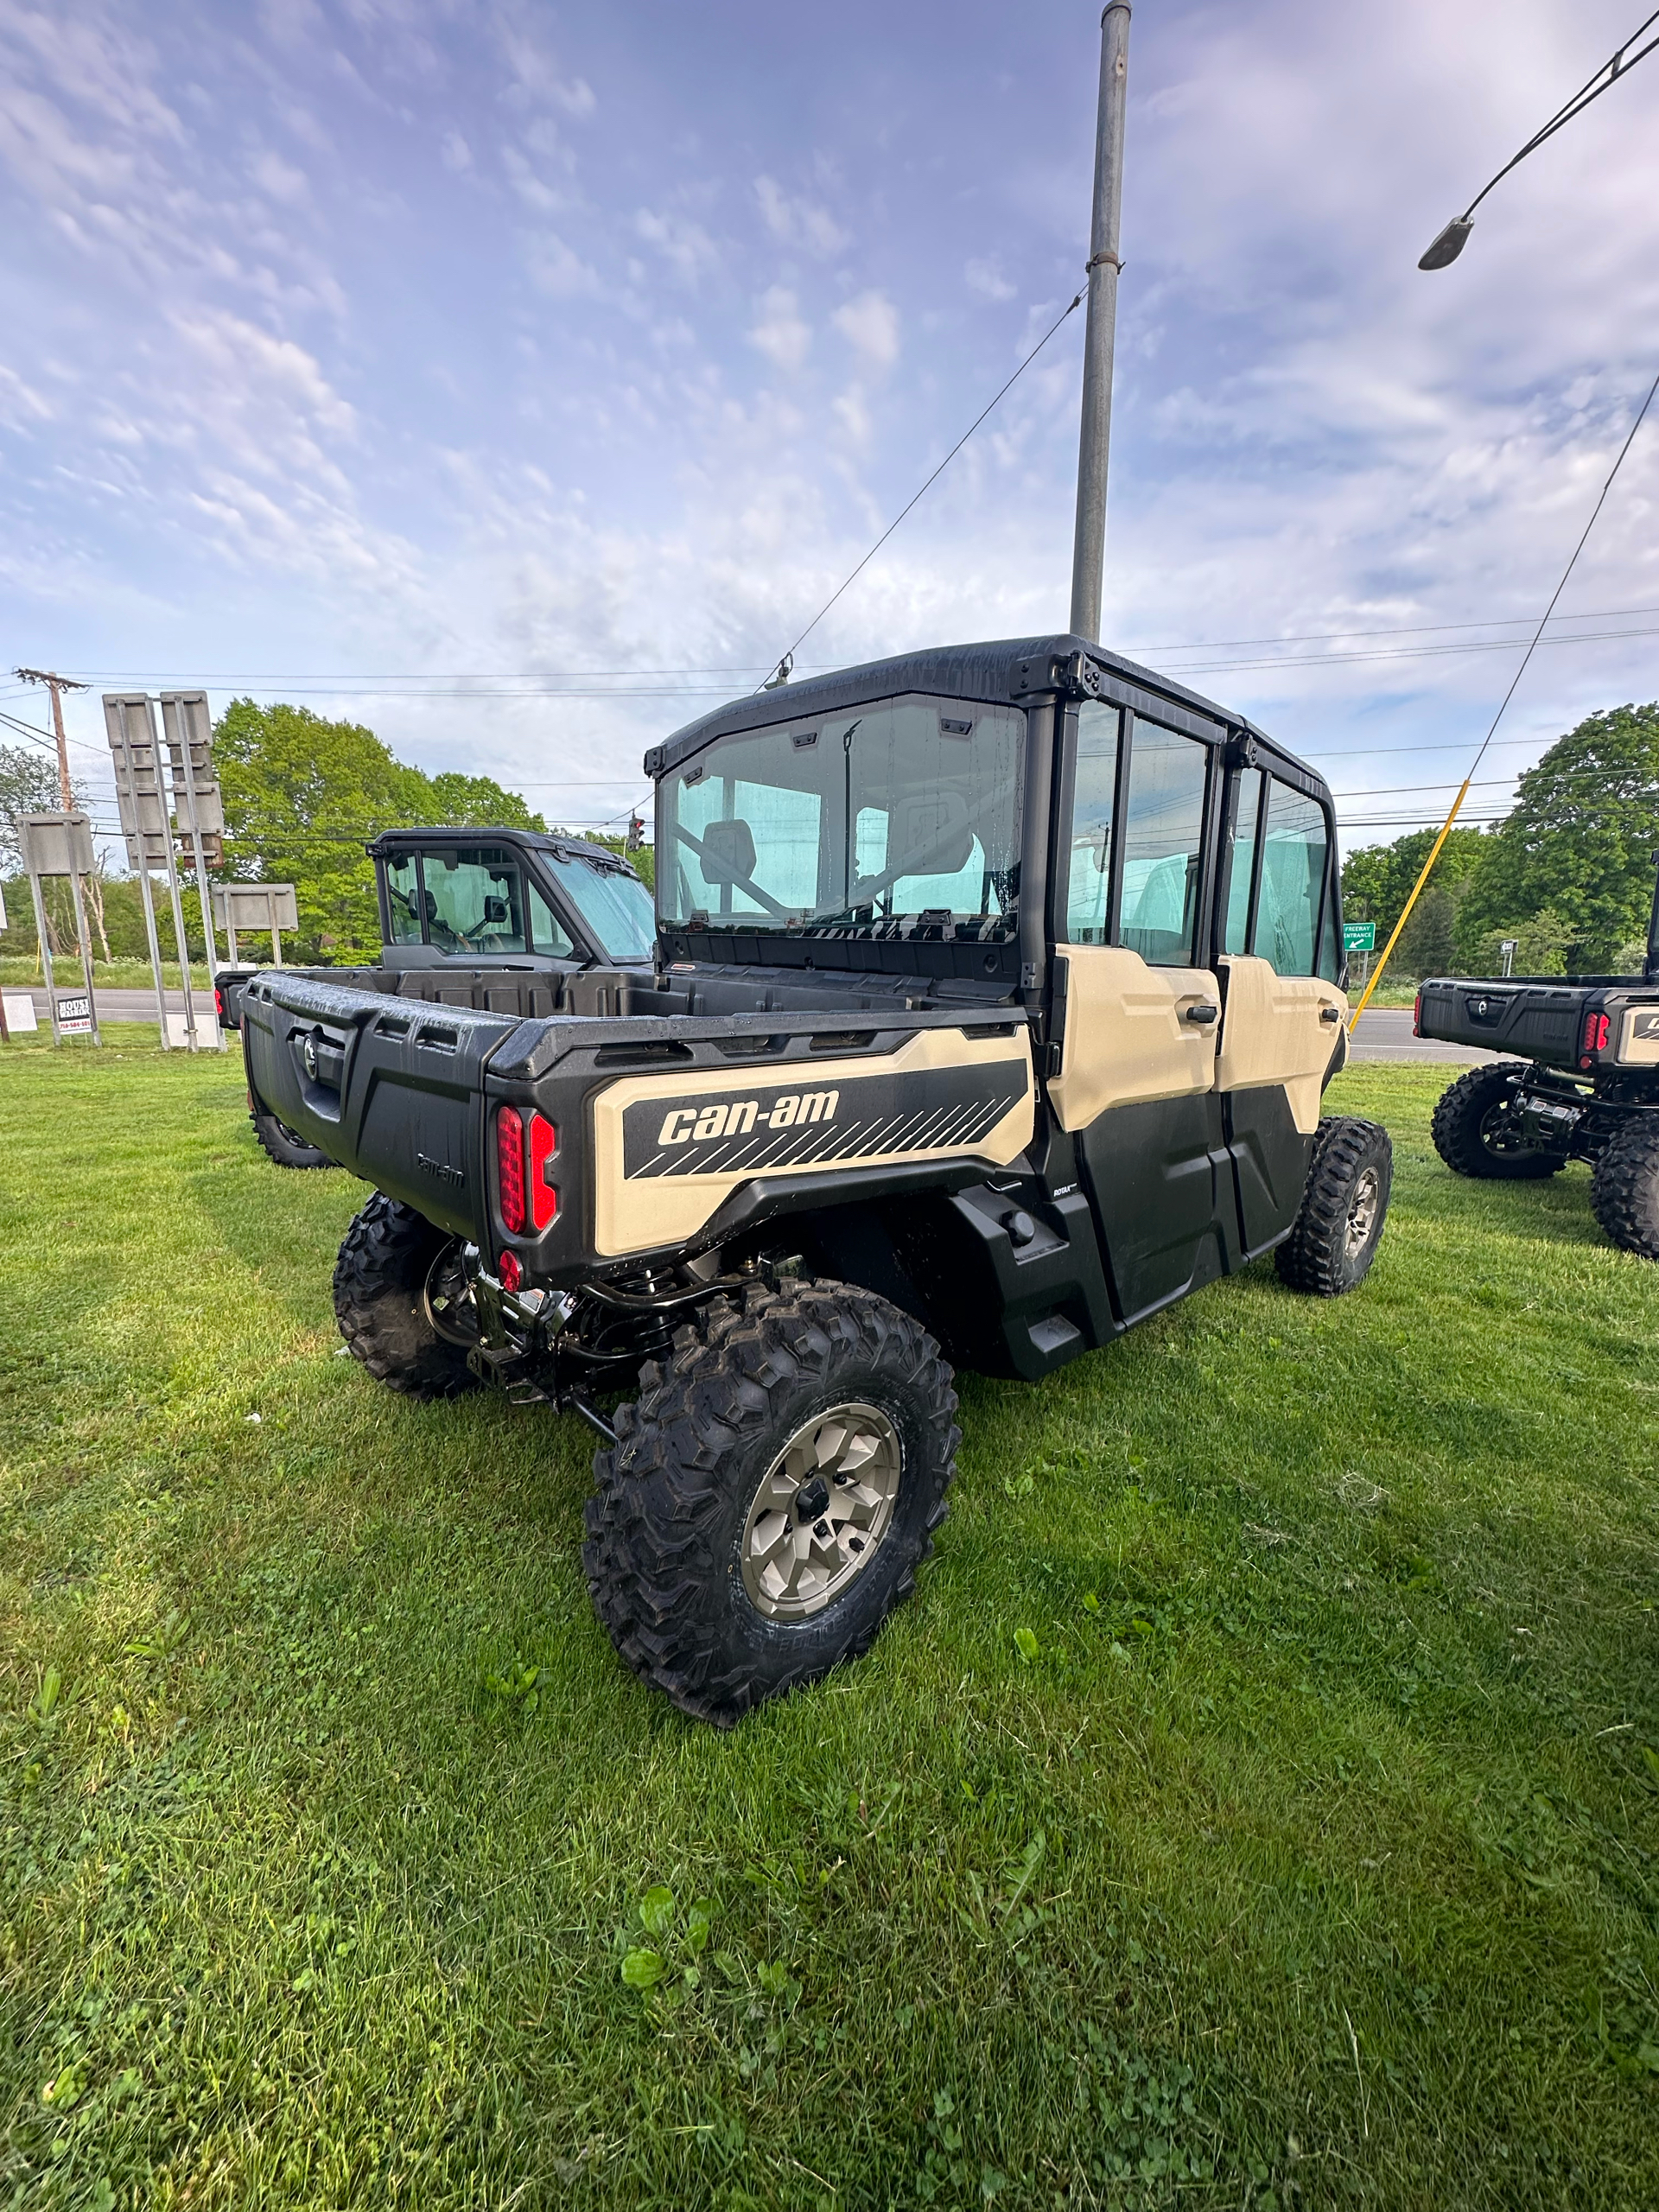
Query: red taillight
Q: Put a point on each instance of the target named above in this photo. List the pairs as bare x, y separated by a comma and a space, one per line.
526, 1146
511, 1274
1417, 1015
1595, 1026
219, 1001
510, 1166
543, 1147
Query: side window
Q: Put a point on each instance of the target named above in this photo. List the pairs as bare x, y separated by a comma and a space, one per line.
403, 900
474, 900
1242, 861
1163, 843
548, 932
1091, 825
1292, 877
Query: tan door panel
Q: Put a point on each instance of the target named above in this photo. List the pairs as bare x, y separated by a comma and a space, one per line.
668, 1150
1127, 1038
1274, 1032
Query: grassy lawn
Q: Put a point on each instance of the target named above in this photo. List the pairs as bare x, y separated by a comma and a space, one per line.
1258, 1804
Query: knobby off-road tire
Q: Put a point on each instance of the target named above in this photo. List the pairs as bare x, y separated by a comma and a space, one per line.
683, 1543
1624, 1188
380, 1286
1474, 1130
1345, 1205
281, 1144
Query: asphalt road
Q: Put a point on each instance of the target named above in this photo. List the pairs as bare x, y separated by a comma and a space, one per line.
1384, 1031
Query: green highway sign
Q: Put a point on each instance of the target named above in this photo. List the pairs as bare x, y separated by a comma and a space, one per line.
1359, 937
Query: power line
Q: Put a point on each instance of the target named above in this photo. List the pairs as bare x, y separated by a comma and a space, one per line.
788, 659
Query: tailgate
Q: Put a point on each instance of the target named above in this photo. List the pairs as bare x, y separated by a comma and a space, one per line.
391, 1090
1536, 1021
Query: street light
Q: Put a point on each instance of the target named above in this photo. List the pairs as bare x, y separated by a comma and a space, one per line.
1452, 240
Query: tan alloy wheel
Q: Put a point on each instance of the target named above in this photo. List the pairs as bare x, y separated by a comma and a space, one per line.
819, 1516
1362, 1212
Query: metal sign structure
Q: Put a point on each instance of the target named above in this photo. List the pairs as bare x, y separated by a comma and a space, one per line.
61, 844
147, 824
1359, 937
257, 907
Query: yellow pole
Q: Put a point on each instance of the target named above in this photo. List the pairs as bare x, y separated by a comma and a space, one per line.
1405, 912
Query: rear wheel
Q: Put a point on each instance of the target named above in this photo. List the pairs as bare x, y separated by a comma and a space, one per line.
1624, 1188
1345, 1205
396, 1279
771, 1496
279, 1141
1475, 1131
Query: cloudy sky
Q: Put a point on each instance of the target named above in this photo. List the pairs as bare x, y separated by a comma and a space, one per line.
521, 378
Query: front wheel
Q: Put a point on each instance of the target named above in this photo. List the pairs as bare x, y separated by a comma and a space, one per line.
1476, 1132
1624, 1188
1345, 1204
771, 1496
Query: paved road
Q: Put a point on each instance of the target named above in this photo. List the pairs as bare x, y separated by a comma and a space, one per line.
114, 1005
1384, 1031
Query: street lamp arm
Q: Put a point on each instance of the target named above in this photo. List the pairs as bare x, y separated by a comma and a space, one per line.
1450, 243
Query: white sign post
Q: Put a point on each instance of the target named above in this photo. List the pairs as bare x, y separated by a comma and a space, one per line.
61, 844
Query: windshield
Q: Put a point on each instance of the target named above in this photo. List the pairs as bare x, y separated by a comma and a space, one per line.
616, 907
900, 817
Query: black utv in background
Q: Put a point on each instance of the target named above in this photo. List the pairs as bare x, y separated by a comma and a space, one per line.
997, 988
1585, 1084
507, 921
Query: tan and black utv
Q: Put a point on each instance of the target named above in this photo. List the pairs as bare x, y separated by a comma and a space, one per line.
996, 990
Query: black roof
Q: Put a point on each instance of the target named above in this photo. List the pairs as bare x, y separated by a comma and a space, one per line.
478, 833
1002, 669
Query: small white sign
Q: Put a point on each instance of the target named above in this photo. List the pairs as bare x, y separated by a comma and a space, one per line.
20, 1013
75, 1015
206, 1031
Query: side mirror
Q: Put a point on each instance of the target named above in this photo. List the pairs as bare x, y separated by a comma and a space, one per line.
495, 909
728, 851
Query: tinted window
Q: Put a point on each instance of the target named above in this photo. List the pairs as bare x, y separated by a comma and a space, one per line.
1091, 825
1242, 864
863, 821
1292, 876
403, 900
615, 905
474, 900
548, 932
1163, 840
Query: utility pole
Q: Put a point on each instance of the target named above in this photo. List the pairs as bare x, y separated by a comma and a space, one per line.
57, 685
1088, 549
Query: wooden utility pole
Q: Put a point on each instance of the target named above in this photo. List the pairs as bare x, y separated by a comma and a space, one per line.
1088, 553
57, 685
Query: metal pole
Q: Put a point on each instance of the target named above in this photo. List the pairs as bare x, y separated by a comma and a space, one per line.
190, 1044
276, 945
84, 940
1089, 548
45, 957
230, 931
146, 885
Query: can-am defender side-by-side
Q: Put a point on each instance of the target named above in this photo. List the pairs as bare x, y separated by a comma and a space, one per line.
509, 921
1585, 1085
997, 988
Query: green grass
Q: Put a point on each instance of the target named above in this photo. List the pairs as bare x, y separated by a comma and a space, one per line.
1310, 1859
18, 970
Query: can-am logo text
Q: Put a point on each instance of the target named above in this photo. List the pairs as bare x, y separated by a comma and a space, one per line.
687, 1124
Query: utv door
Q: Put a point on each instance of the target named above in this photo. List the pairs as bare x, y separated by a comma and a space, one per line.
1136, 1085
467, 927
1282, 1019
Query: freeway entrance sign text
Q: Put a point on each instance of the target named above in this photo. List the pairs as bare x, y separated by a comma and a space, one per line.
1359, 937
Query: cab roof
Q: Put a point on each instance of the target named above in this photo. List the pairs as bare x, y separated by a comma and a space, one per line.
554, 843
1001, 671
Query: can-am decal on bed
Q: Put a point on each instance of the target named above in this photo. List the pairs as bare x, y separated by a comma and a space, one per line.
790, 1125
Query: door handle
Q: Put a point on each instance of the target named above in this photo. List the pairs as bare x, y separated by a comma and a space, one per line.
1329, 1014
1203, 1014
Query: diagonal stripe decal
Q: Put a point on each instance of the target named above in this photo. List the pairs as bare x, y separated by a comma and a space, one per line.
808, 1123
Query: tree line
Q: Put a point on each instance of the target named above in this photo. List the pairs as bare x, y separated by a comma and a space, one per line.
1568, 873
302, 795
